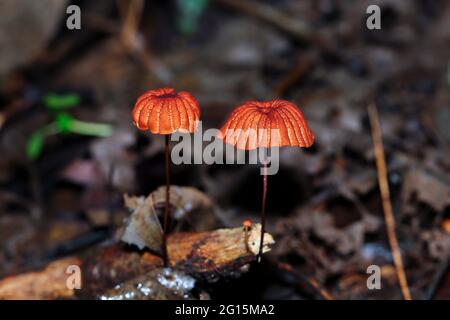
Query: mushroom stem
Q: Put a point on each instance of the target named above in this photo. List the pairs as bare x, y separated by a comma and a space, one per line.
263, 211
166, 208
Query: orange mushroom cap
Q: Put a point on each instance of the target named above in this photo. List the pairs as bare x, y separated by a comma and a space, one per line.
165, 111
267, 124
247, 223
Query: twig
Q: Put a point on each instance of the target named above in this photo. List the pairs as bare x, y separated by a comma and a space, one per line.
294, 75
271, 15
311, 282
385, 195
129, 35
77, 244
131, 13
297, 29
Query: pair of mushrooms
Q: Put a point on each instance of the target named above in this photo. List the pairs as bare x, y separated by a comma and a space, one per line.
274, 123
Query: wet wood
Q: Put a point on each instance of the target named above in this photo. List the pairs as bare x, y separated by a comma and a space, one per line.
207, 256
48, 283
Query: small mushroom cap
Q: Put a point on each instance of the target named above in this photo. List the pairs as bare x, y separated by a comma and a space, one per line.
267, 124
165, 111
247, 223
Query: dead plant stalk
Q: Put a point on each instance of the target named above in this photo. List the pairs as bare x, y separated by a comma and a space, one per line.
385, 196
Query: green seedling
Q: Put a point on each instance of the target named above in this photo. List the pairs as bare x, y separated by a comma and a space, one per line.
63, 123
61, 102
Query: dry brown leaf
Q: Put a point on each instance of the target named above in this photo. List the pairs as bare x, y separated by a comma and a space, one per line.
428, 188
143, 228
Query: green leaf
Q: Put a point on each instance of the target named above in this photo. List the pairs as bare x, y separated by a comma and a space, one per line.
64, 122
91, 128
54, 101
34, 146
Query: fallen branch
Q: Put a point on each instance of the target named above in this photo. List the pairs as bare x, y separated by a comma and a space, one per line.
49, 283
206, 256
296, 28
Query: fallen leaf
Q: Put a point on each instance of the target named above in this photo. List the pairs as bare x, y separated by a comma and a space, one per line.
428, 188
143, 228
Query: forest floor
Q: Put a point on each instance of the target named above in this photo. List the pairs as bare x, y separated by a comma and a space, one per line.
324, 206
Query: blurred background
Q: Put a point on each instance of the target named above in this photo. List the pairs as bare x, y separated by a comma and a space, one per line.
69, 150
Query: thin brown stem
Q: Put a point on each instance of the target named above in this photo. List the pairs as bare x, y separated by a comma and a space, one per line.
263, 211
167, 205
310, 281
385, 196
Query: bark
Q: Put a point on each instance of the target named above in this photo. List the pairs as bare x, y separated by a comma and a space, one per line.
48, 283
206, 256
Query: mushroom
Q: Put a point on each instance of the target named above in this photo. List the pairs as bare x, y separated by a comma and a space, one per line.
266, 124
165, 111
247, 224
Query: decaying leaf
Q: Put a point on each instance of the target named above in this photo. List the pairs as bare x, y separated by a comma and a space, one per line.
428, 188
345, 241
438, 243
187, 205
184, 201
322, 241
143, 228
